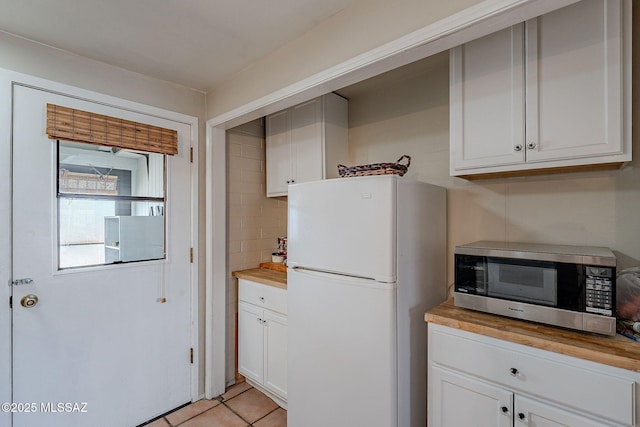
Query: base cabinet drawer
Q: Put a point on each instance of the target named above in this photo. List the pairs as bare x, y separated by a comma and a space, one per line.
583, 388
269, 297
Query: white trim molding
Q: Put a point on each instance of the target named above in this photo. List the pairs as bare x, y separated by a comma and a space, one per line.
474, 22
216, 263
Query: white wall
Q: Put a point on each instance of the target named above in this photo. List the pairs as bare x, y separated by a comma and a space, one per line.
360, 27
38, 60
410, 116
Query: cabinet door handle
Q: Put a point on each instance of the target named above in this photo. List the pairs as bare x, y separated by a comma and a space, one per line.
522, 417
514, 372
517, 147
505, 410
531, 146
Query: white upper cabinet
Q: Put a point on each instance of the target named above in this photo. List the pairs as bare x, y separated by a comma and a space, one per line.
553, 92
487, 101
306, 143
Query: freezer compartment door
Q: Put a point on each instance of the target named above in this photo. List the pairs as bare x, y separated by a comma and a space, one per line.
345, 225
341, 351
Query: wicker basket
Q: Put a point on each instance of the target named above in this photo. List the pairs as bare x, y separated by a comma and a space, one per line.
376, 168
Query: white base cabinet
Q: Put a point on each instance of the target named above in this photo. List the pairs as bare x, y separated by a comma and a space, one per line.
552, 92
262, 338
482, 381
306, 143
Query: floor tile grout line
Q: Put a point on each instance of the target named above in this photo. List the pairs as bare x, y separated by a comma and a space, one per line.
233, 397
219, 399
267, 414
249, 423
224, 403
197, 415
234, 412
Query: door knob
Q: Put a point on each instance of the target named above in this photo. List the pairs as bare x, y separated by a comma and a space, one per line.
29, 301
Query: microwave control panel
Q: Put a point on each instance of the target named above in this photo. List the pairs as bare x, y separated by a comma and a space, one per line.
600, 298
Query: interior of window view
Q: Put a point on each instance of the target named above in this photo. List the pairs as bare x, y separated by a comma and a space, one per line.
111, 204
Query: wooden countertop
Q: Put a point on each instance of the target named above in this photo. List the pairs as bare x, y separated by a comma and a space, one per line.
618, 351
264, 276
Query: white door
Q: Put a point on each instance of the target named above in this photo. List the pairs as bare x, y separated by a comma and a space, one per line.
487, 101
278, 153
251, 341
275, 353
106, 345
456, 400
341, 351
574, 91
345, 225
307, 156
530, 412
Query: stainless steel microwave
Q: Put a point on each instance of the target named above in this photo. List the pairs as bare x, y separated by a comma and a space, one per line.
567, 286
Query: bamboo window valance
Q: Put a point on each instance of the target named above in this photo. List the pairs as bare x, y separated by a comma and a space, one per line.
81, 126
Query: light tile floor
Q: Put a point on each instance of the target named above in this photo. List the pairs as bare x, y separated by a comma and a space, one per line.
241, 406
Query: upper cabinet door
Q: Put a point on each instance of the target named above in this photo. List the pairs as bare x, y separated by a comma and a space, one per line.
278, 153
307, 142
487, 101
574, 95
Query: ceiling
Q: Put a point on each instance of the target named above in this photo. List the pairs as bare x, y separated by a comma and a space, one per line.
195, 43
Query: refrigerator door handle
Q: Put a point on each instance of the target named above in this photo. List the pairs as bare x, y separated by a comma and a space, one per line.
353, 280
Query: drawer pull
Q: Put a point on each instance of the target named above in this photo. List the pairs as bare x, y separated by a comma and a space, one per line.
514, 372
505, 410
522, 417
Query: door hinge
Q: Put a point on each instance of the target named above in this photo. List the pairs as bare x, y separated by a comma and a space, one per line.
191, 154
11, 302
191, 255
191, 355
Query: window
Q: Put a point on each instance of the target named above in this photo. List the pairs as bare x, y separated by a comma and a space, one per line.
111, 204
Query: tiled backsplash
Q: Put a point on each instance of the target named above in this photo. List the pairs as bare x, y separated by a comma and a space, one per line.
254, 221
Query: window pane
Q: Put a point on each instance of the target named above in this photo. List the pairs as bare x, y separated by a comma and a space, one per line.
110, 205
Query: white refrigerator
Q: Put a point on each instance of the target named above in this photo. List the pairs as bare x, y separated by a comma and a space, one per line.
366, 259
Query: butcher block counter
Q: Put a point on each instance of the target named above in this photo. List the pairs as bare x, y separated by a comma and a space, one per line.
618, 351
265, 275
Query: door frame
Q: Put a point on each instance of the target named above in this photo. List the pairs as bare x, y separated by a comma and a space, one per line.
9, 79
477, 21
